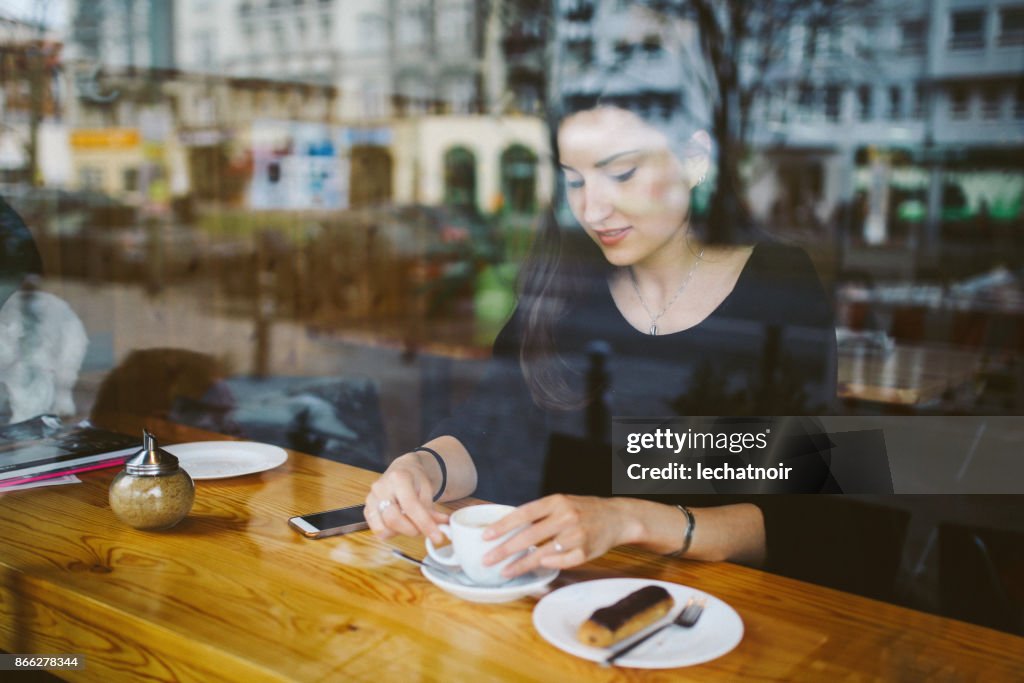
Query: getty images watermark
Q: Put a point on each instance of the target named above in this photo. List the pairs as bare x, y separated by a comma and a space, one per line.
741, 455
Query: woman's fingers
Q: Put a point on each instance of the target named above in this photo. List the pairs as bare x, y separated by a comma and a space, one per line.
524, 514
563, 560
558, 531
397, 504
418, 514
372, 515
524, 564
395, 496
397, 520
548, 556
533, 535
546, 517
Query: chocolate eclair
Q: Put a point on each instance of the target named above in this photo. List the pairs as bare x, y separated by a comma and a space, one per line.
633, 613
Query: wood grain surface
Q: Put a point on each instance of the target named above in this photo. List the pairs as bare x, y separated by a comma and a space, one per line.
232, 593
906, 375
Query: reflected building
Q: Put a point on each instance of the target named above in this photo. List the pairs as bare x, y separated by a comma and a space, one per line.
149, 135
896, 116
124, 33
517, 55
31, 107
911, 112
411, 79
639, 55
406, 122
623, 51
387, 57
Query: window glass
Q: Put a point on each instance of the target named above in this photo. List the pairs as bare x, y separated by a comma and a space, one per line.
913, 36
864, 101
895, 102
1011, 25
967, 29
959, 103
306, 223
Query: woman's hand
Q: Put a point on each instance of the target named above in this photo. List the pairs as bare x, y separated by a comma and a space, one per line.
400, 502
566, 531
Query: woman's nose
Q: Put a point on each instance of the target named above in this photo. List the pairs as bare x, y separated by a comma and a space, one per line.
597, 206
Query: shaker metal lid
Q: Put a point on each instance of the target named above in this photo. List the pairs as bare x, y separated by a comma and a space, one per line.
151, 460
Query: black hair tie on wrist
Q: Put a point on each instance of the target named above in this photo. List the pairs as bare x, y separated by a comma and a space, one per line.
440, 464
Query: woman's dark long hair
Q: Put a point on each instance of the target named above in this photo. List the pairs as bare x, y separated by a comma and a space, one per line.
557, 270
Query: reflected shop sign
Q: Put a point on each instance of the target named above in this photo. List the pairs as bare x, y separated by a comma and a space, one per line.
105, 138
298, 165
301, 165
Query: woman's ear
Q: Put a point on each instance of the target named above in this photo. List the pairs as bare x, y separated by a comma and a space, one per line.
698, 158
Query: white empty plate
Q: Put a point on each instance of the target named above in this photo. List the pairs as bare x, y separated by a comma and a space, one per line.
559, 614
222, 459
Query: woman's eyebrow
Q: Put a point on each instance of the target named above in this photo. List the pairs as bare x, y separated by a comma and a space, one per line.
608, 160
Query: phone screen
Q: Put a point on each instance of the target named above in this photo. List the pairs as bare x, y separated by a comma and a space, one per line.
332, 519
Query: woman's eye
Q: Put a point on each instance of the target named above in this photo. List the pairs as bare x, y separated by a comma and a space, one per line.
623, 177
574, 184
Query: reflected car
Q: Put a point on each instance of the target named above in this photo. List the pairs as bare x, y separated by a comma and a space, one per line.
99, 237
392, 258
433, 230
64, 210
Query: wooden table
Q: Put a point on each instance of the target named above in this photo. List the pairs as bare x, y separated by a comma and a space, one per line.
232, 593
908, 375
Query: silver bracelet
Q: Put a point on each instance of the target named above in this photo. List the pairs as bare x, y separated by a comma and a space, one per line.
688, 534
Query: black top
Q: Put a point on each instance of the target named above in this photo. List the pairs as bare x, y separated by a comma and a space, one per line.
768, 349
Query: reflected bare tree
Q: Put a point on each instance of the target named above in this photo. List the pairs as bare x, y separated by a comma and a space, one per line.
741, 45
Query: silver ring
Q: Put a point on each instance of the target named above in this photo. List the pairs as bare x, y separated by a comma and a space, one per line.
383, 505
558, 547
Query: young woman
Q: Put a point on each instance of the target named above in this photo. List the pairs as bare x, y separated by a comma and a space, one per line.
674, 324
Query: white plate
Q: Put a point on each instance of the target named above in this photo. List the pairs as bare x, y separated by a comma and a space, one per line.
519, 587
559, 614
221, 459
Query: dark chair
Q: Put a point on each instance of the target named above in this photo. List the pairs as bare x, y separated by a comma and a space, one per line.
969, 329
577, 466
908, 323
981, 576
157, 383
835, 541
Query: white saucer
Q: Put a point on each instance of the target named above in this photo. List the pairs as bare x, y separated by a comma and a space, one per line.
518, 587
222, 459
559, 614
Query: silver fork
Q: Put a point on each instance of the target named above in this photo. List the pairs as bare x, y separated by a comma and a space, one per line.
686, 618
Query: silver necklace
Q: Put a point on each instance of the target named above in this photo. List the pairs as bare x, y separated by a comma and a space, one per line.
655, 318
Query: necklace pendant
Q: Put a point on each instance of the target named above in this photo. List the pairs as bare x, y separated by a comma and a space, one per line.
654, 329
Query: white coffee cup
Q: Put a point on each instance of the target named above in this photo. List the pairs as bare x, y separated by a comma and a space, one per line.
466, 530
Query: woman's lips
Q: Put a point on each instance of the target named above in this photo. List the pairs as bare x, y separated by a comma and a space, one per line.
610, 237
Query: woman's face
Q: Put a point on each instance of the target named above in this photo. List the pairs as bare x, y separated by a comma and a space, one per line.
625, 186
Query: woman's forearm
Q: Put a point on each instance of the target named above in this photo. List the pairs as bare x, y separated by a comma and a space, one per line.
729, 532
461, 471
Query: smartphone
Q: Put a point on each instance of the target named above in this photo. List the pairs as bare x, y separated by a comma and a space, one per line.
330, 523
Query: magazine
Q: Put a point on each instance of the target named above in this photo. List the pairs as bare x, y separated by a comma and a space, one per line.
43, 447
